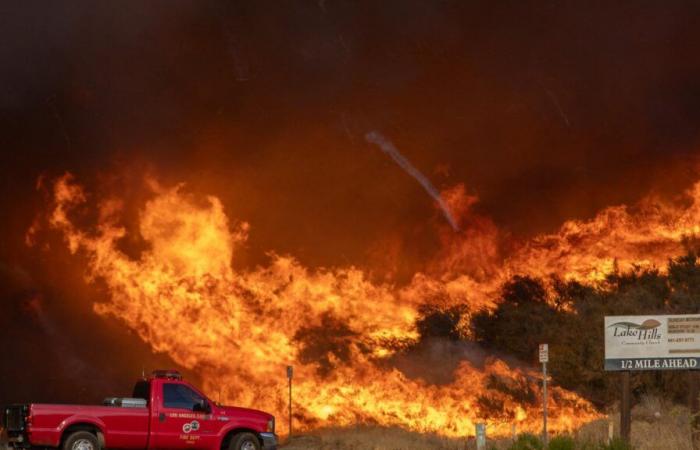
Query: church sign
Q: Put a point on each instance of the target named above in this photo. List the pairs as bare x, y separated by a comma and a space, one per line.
652, 342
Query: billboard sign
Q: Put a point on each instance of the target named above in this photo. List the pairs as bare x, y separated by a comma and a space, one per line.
652, 342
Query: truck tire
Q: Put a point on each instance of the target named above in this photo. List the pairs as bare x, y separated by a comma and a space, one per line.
81, 440
244, 441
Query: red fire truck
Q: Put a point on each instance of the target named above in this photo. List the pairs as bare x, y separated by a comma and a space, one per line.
164, 413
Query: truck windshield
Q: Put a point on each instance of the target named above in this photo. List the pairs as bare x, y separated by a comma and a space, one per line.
180, 396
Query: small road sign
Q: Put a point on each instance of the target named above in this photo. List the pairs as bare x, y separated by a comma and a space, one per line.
544, 353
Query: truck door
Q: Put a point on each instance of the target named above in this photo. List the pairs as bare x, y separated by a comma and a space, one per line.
177, 424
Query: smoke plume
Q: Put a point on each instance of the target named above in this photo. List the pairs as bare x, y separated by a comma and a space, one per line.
390, 149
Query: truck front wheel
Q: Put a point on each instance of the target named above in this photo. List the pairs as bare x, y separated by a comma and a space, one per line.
244, 441
81, 440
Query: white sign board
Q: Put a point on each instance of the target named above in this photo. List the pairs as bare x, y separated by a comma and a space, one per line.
544, 353
652, 342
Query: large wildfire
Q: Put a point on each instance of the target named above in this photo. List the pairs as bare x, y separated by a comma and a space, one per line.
336, 326
257, 185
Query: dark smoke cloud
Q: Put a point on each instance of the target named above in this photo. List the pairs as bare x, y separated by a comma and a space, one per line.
546, 110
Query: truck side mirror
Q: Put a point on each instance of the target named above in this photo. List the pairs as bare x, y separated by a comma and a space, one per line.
202, 406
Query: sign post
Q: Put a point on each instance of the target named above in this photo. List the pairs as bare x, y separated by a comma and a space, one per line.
544, 359
480, 436
290, 375
634, 343
626, 409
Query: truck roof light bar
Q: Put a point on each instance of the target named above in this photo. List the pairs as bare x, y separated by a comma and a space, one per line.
168, 374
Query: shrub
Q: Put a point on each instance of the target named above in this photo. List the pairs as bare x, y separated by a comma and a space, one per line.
527, 441
562, 443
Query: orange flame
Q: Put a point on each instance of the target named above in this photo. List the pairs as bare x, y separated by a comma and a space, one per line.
240, 329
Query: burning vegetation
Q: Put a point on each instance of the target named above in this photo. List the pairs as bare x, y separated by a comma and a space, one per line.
342, 330
334, 136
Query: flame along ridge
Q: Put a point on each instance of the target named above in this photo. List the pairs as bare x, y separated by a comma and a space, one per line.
241, 328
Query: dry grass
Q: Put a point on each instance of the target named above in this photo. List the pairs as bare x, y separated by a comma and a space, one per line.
371, 438
657, 425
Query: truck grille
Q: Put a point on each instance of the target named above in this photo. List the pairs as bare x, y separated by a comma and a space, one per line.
14, 419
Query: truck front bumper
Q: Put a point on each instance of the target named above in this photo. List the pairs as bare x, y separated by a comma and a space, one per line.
269, 441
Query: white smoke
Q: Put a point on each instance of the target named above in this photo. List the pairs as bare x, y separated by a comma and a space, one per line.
375, 137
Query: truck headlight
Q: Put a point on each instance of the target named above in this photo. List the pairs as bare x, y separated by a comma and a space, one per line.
271, 425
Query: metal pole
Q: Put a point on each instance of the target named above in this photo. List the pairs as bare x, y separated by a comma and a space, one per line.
290, 373
480, 436
545, 436
625, 415
290, 407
